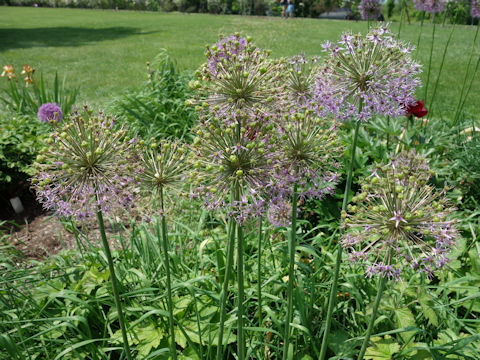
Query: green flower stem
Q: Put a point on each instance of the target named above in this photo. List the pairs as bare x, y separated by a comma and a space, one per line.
292, 246
420, 32
173, 345
223, 297
113, 278
241, 294
440, 70
460, 105
338, 261
381, 286
259, 269
401, 19
430, 60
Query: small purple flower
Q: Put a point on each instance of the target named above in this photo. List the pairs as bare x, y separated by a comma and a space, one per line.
430, 6
475, 9
369, 9
50, 112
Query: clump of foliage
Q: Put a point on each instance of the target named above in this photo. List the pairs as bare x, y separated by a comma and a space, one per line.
27, 96
20, 140
158, 110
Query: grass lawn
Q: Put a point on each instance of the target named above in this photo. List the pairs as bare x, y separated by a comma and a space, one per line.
104, 52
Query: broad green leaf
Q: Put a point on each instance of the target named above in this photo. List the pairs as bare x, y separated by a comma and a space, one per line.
426, 303
404, 318
382, 349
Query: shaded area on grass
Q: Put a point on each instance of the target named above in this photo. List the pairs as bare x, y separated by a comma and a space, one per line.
62, 36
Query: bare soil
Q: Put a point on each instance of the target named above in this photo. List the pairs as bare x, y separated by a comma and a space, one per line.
38, 234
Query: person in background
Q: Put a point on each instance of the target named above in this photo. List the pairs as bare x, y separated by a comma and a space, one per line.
290, 8
284, 4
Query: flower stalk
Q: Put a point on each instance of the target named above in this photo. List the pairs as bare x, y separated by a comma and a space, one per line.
366, 339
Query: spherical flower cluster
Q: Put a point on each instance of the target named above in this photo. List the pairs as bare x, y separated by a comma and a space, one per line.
86, 167
475, 9
430, 6
398, 222
163, 167
369, 9
301, 80
368, 75
228, 155
50, 112
237, 76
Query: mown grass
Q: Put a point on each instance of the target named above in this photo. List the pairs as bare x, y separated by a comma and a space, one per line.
104, 52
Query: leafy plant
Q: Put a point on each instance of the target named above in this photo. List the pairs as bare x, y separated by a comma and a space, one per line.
20, 140
158, 110
27, 97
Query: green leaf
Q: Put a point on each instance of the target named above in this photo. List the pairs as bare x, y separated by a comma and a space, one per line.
382, 349
404, 318
426, 303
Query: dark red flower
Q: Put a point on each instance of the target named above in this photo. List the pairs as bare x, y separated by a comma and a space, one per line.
416, 109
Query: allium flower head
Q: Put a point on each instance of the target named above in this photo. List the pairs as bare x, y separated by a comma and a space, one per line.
307, 156
163, 166
50, 112
375, 73
369, 9
398, 222
237, 76
227, 155
475, 9
8, 72
85, 166
430, 6
301, 79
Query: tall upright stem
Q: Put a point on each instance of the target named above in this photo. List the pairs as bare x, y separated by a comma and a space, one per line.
401, 19
440, 70
173, 346
430, 60
420, 32
241, 295
259, 274
381, 286
113, 279
223, 297
292, 246
459, 105
338, 261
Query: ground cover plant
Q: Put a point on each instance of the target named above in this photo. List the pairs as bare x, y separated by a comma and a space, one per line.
316, 209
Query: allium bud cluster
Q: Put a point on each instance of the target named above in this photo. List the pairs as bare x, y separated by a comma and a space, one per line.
237, 76
398, 222
364, 76
227, 154
86, 166
475, 9
430, 6
369, 9
301, 79
163, 166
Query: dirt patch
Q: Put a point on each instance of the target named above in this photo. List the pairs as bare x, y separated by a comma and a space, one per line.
38, 234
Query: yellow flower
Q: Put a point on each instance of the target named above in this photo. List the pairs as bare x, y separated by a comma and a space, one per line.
27, 69
9, 72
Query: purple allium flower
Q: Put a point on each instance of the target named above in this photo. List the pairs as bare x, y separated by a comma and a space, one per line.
237, 76
227, 153
369, 9
475, 9
50, 112
398, 222
308, 151
163, 167
430, 6
85, 167
301, 79
368, 75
